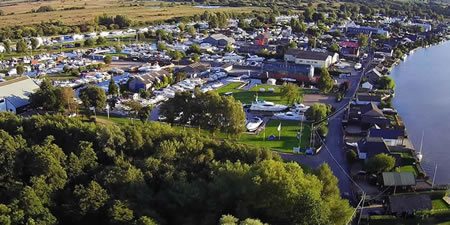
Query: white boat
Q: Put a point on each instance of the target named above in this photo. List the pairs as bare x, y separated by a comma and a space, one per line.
358, 66
404, 57
267, 106
419, 154
254, 123
289, 116
149, 67
300, 108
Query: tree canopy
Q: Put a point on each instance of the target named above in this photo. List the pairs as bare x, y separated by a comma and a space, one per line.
325, 83
59, 170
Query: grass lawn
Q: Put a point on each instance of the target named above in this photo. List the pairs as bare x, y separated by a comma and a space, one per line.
114, 119
287, 142
247, 96
288, 138
439, 204
409, 168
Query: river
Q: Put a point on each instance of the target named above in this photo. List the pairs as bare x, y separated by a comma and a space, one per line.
422, 99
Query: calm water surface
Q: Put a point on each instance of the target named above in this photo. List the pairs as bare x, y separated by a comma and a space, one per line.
422, 98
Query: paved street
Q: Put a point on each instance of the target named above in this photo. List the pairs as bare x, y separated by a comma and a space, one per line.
335, 157
334, 142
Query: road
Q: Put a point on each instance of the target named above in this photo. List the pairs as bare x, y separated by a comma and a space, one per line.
333, 154
334, 142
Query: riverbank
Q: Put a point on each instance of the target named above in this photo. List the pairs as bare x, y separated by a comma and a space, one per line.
420, 100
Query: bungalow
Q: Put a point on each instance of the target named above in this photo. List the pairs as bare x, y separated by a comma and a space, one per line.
386, 51
219, 40
399, 179
197, 69
146, 81
373, 75
314, 58
370, 147
14, 94
366, 98
392, 137
409, 203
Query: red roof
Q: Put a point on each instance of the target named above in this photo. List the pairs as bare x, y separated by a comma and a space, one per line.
350, 44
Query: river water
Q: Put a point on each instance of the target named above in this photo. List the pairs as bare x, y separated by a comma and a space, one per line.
422, 98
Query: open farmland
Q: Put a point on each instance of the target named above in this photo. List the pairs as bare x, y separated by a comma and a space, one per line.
19, 13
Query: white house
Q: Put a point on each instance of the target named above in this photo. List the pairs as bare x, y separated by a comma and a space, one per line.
2, 49
316, 59
14, 94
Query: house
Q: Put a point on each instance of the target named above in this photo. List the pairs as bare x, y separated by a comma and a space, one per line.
399, 179
366, 98
298, 72
146, 81
409, 203
2, 49
314, 58
386, 51
356, 29
392, 137
350, 49
197, 69
14, 94
219, 40
371, 115
370, 147
373, 75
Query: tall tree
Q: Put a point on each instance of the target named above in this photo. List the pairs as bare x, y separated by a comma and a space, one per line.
325, 83
113, 89
93, 96
290, 92
21, 46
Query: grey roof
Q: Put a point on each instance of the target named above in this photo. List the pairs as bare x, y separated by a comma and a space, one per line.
371, 110
399, 179
17, 91
372, 146
367, 97
308, 54
148, 78
387, 133
409, 203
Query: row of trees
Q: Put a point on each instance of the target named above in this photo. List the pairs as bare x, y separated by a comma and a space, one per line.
56, 170
206, 110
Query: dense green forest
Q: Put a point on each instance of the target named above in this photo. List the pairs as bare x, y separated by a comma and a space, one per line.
56, 170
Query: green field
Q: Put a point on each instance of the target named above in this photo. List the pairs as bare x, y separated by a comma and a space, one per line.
286, 143
247, 96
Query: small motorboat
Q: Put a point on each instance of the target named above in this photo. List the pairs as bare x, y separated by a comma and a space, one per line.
358, 66
289, 116
254, 123
300, 108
